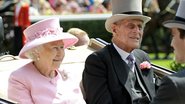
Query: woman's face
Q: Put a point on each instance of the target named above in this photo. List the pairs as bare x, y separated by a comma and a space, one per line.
51, 55
178, 45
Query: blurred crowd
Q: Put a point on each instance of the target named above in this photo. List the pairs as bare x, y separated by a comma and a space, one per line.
21, 10
58, 7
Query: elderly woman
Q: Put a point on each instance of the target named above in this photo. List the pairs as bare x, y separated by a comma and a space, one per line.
39, 82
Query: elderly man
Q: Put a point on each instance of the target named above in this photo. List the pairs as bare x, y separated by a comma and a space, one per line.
172, 87
112, 75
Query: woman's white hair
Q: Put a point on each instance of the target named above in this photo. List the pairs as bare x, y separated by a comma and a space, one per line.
33, 53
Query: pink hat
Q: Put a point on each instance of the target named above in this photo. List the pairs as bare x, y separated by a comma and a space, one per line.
45, 31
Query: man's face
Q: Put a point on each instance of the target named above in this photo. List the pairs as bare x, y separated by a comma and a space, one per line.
178, 45
127, 34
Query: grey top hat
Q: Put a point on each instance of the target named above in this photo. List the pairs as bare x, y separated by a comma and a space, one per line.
122, 9
179, 20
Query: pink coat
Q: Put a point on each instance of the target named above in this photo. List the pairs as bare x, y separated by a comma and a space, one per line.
28, 86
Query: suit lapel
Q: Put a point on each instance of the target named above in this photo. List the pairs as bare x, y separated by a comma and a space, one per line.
143, 79
121, 68
122, 71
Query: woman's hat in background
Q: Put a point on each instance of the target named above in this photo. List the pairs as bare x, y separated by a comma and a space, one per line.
45, 31
121, 9
179, 20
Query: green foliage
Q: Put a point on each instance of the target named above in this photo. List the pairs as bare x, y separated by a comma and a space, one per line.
163, 63
177, 66
169, 64
95, 28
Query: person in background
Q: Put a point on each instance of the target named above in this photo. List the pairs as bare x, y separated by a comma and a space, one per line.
171, 90
21, 22
73, 7
83, 38
45, 8
97, 7
41, 81
107, 5
113, 75
60, 7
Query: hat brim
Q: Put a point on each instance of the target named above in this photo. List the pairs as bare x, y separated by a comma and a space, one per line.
174, 24
67, 38
118, 17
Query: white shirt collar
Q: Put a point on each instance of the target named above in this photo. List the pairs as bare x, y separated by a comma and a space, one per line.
122, 53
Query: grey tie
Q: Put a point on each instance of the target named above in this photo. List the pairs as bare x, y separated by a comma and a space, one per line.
131, 61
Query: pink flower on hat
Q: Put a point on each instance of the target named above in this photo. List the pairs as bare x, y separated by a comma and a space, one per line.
44, 33
145, 65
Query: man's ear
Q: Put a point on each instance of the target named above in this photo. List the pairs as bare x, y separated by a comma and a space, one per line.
113, 28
